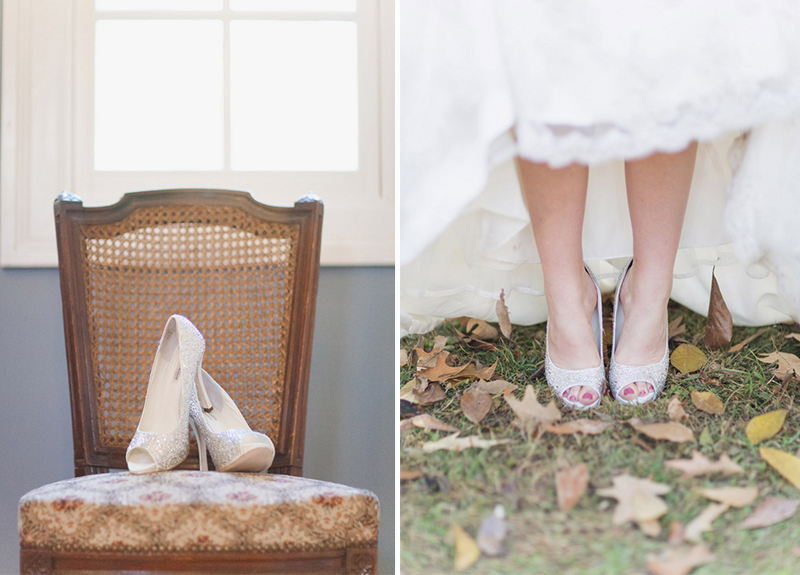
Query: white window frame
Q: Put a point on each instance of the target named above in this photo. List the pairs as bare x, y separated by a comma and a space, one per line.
46, 139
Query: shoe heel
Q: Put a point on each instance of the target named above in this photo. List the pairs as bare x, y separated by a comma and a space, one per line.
202, 452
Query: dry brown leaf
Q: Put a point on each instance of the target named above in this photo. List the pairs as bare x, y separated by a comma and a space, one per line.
410, 474
702, 522
585, 426
719, 322
571, 484
699, 464
635, 498
455, 443
473, 371
476, 344
407, 391
476, 404
741, 344
733, 496
770, 511
687, 358
675, 409
531, 415
467, 551
403, 358
677, 532
441, 371
708, 402
426, 421
675, 432
676, 327
788, 363
502, 315
492, 387
479, 329
793, 336
427, 359
679, 560
650, 527
406, 425
784, 463
764, 426
432, 394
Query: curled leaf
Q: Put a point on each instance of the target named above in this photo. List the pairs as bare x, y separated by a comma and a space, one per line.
784, 463
770, 511
479, 329
492, 387
426, 421
788, 363
708, 402
585, 426
467, 551
719, 322
455, 443
502, 315
687, 358
764, 426
672, 431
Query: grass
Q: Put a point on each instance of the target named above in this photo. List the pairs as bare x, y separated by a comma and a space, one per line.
463, 487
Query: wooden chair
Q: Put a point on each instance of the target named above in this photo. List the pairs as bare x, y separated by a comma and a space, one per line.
246, 275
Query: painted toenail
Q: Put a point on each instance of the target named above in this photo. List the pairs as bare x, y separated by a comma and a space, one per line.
588, 395
628, 391
572, 398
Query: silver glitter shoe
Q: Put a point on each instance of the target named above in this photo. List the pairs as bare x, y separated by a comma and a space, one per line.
161, 441
560, 380
220, 427
619, 375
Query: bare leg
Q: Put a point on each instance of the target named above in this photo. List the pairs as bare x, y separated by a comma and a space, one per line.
556, 201
658, 190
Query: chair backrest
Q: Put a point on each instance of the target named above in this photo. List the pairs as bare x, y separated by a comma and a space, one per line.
244, 273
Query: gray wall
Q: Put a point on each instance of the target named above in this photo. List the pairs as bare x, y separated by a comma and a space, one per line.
349, 434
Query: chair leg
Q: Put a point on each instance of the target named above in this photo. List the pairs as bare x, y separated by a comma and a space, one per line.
35, 562
361, 561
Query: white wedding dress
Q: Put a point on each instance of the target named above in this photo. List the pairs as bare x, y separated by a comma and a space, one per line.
482, 82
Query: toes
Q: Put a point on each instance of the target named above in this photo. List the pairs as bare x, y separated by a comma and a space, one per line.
630, 391
587, 396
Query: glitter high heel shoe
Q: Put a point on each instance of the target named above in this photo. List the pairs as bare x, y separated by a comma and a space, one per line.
219, 427
560, 380
161, 440
619, 375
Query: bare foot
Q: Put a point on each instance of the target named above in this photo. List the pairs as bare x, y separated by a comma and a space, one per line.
571, 340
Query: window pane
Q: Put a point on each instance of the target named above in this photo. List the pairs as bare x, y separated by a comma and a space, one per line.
140, 5
158, 95
294, 96
295, 5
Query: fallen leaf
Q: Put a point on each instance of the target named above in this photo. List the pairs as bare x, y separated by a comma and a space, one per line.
762, 427
530, 413
784, 463
441, 371
793, 336
585, 426
719, 322
740, 345
406, 425
492, 387
705, 437
675, 409
631, 492
410, 474
428, 358
407, 392
432, 394
492, 533
426, 421
708, 380
770, 511
408, 409
733, 496
672, 431
788, 363
476, 344
455, 443
476, 404
650, 527
502, 315
679, 560
676, 327
474, 371
702, 522
403, 358
687, 358
677, 532
571, 484
467, 551
479, 329
708, 402
699, 464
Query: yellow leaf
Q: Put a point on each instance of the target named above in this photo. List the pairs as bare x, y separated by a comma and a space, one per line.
467, 551
764, 426
708, 402
784, 463
687, 358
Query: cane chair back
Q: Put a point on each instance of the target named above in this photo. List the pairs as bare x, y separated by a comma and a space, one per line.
243, 272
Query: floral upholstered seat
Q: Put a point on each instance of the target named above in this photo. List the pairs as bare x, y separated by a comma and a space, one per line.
189, 511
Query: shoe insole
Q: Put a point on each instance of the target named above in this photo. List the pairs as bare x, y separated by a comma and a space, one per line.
164, 390
219, 410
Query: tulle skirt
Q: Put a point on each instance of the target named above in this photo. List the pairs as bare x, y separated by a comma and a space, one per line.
597, 83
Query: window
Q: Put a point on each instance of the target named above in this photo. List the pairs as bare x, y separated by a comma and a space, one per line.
278, 97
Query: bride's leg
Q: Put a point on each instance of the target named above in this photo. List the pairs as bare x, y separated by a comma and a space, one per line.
556, 200
658, 189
